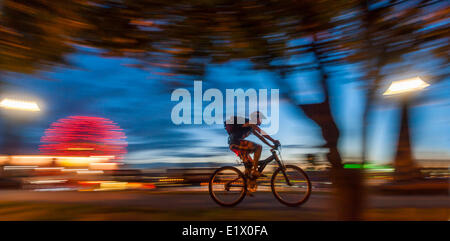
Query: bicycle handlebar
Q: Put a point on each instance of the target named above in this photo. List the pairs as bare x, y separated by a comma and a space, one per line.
275, 147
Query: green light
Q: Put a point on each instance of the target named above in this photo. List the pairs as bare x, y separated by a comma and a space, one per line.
365, 166
352, 166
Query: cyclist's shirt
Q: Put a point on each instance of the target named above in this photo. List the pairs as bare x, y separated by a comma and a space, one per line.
239, 133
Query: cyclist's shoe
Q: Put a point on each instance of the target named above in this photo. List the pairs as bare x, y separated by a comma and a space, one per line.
256, 174
251, 188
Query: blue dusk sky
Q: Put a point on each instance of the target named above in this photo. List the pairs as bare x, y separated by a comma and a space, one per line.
139, 102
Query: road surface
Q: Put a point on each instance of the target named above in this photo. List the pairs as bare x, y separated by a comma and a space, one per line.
139, 205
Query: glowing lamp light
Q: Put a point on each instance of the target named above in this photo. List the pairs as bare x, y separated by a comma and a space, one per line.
19, 105
407, 85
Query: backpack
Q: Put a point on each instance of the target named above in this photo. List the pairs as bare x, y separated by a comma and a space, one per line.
230, 128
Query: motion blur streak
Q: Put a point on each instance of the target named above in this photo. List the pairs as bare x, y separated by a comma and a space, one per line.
68, 161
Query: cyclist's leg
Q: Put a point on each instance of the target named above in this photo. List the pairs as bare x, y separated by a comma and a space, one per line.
257, 155
252, 166
243, 151
256, 149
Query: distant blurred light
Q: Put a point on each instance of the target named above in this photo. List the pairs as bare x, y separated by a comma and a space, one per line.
19, 105
48, 168
104, 165
112, 185
90, 182
19, 167
31, 157
90, 172
80, 149
107, 157
69, 161
47, 181
73, 170
407, 85
58, 189
369, 166
171, 180
84, 136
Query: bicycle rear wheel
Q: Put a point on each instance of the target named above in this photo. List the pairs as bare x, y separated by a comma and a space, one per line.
294, 193
227, 186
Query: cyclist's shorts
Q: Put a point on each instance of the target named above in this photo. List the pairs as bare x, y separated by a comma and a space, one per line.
243, 148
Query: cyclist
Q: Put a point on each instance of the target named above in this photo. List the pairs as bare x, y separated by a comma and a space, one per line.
242, 147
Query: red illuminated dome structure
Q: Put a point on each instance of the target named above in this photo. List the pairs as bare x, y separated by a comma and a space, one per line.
84, 136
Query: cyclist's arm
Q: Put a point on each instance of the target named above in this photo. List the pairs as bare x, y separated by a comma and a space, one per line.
264, 134
257, 134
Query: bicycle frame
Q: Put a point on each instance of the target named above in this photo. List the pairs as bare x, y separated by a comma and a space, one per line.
262, 164
248, 181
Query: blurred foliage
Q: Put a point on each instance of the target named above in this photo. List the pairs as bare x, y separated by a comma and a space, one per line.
187, 35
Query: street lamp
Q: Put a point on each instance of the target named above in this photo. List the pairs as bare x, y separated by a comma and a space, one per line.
15, 114
406, 86
405, 169
19, 105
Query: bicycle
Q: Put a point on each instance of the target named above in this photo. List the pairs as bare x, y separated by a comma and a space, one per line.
290, 185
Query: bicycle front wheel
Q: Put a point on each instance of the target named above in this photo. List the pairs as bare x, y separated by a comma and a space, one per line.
294, 192
227, 186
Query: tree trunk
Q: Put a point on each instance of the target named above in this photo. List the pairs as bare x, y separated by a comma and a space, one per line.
348, 183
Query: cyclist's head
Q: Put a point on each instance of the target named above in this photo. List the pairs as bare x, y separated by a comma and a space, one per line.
257, 117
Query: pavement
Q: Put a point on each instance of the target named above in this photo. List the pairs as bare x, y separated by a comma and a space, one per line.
147, 205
